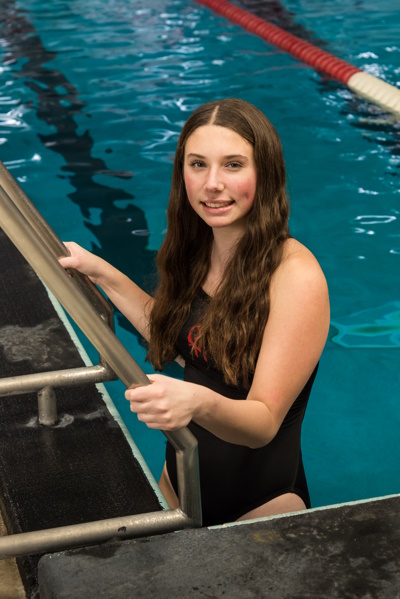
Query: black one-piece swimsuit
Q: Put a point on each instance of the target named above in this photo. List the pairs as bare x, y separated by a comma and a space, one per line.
235, 479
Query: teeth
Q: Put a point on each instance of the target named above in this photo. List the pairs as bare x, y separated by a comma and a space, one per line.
216, 204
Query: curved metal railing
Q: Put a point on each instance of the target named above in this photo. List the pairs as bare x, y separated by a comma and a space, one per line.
41, 247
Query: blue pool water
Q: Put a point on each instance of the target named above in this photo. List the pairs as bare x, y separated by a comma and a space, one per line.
92, 98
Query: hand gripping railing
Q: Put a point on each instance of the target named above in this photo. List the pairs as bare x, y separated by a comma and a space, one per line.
36, 241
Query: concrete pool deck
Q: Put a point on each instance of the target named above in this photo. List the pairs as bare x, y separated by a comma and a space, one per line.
345, 552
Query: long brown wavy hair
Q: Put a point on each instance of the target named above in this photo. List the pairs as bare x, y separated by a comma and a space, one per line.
233, 323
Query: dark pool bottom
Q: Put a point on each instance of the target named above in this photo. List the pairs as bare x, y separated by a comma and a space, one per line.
83, 468
352, 551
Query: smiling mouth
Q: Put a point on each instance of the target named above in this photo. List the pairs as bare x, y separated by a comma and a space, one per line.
218, 204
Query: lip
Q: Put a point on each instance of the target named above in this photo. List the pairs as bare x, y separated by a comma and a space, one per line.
217, 207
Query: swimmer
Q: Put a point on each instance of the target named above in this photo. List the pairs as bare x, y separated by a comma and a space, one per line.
241, 305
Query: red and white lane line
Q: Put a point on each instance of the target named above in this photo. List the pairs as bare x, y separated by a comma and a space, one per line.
363, 84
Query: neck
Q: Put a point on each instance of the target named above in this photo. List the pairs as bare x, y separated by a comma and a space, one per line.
225, 240
222, 249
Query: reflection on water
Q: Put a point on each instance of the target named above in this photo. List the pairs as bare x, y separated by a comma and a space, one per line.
373, 328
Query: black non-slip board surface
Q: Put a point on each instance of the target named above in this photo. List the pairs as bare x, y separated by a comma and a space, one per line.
348, 552
83, 468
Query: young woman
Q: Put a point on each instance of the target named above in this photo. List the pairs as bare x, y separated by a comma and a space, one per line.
241, 305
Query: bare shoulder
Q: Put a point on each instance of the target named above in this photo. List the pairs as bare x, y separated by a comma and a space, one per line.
299, 273
298, 262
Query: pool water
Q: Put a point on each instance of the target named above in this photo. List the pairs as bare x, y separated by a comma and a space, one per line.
92, 99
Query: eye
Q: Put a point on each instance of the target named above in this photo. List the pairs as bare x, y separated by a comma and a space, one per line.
197, 163
234, 165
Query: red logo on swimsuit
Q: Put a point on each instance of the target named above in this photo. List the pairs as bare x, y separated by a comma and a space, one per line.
194, 331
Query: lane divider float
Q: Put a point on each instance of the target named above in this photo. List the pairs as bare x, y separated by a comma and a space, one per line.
363, 84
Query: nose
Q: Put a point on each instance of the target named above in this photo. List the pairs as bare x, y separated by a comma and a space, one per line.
214, 181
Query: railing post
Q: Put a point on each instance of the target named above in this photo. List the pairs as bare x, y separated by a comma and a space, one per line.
47, 406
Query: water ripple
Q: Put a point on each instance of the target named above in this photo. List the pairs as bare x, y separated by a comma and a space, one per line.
373, 328
374, 219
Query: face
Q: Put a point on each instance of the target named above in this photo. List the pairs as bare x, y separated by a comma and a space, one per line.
220, 176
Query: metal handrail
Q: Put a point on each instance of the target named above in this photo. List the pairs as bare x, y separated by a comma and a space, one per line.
17, 225
69, 377
57, 248
52, 241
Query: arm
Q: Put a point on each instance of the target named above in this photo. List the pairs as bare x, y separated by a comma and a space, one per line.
293, 341
132, 301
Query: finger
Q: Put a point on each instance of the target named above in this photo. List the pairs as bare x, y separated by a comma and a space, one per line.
157, 378
147, 407
135, 395
67, 262
72, 246
149, 419
140, 407
154, 422
144, 392
69, 246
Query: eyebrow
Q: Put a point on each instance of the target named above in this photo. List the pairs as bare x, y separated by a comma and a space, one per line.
229, 157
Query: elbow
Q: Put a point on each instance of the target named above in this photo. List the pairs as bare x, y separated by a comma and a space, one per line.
261, 440
265, 427
254, 445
